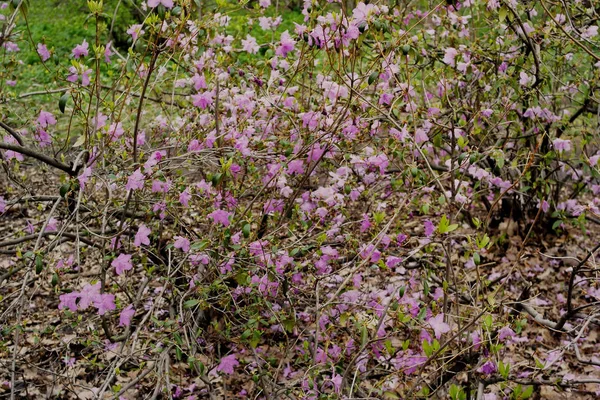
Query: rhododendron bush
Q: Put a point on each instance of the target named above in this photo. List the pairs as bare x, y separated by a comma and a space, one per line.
388, 200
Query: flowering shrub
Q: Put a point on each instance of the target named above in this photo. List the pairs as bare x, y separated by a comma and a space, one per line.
373, 202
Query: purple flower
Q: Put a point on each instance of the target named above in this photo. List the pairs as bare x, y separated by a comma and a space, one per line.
99, 121
561, 145
429, 228
84, 177
105, 302
220, 216
202, 100
184, 197
155, 3
136, 31
227, 364
488, 368
68, 300
107, 52
81, 49
126, 315
250, 45
505, 332
43, 51
286, 45
182, 243
69, 362
141, 237
45, 119
122, 263
296, 167
524, 79
88, 295
438, 325
449, 56
136, 180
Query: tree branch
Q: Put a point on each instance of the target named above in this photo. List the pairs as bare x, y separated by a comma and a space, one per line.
39, 156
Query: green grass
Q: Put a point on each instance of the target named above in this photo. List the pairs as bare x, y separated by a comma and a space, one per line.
60, 24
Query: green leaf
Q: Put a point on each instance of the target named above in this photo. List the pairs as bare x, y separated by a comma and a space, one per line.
191, 303
80, 141
427, 348
39, 263
485, 240
556, 224
527, 392
373, 77
502, 13
445, 227
62, 102
364, 335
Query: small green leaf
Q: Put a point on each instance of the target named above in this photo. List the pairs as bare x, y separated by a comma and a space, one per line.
373, 77
62, 102
191, 303
39, 263
246, 230
64, 189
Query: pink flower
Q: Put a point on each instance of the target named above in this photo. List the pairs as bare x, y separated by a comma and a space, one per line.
122, 263
126, 315
182, 243
115, 131
135, 180
84, 177
105, 302
561, 145
136, 31
286, 45
107, 52
438, 325
141, 237
227, 364
476, 339
88, 295
184, 197
429, 228
46, 119
81, 49
155, 3
43, 51
68, 300
524, 79
265, 23
337, 380
250, 45
73, 75
199, 81
505, 332
85, 77
99, 121
449, 56
220, 216
295, 167
488, 368
202, 100
52, 225
421, 136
